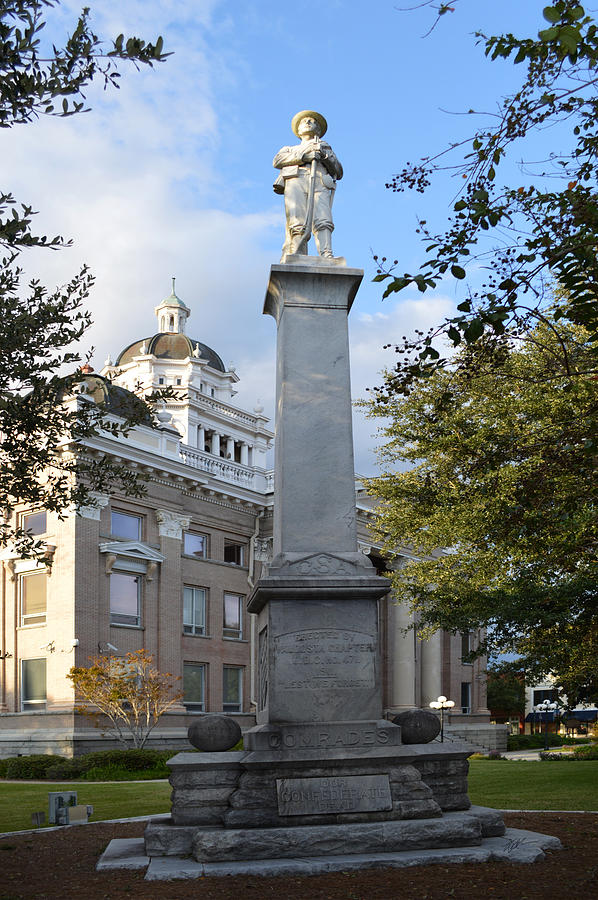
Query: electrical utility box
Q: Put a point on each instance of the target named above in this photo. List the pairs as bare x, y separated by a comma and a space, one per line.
58, 806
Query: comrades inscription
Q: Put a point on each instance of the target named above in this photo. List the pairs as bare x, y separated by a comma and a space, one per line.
326, 659
354, 793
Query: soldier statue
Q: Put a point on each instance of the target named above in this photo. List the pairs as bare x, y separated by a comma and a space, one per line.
308, 175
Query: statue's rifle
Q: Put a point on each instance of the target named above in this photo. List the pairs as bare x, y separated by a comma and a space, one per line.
302, 249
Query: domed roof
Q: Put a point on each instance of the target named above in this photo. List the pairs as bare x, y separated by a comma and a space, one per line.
117, 400
166, 345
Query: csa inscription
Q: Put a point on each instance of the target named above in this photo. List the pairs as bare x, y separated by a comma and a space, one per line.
313, 796
326, 659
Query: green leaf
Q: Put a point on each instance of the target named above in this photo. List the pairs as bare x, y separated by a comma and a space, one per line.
551, 14
548, 34
459, 205
474, 331
458, 272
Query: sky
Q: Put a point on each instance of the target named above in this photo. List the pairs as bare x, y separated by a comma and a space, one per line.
171, 175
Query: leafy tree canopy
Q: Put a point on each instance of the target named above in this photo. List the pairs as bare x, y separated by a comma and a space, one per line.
506, 690
128, 691
40, 328
524, 231
501, 458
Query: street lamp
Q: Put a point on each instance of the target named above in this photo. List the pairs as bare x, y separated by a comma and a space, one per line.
442, 703
545, 707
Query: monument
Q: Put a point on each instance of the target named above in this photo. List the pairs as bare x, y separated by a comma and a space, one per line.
323, 783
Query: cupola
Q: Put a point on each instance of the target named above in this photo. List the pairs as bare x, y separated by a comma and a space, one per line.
172, 314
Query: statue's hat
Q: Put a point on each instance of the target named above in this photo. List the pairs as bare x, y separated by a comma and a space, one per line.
314, 115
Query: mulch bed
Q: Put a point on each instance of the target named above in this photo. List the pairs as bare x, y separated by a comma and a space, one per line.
61, 864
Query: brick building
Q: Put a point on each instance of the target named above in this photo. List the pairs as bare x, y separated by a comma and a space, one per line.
171, 572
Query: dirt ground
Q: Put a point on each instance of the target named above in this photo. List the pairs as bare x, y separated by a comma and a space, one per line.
61, 864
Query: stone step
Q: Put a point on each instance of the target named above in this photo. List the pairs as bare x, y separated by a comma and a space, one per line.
333, 840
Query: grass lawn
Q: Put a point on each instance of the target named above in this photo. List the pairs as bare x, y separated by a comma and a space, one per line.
532, 784
109, 801
502, 784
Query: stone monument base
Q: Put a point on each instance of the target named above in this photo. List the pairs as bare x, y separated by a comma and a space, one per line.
259, 804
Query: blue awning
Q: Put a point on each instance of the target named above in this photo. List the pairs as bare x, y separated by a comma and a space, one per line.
542, 717
581, 715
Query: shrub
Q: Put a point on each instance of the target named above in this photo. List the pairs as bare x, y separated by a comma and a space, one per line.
492, 754
31, 767
103, 765
128, 760
536, 741
590, 751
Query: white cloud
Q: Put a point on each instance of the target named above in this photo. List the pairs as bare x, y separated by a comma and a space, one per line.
139, 184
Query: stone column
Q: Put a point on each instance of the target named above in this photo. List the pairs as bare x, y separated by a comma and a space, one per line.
315, 505
170, 592
230, 448
317, 607
401, 648
201, 438
431, 671
244, 454
215, 444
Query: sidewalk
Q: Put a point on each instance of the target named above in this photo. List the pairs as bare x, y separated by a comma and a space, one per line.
528, 754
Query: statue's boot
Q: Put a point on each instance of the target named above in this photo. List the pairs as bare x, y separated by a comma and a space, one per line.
323, 238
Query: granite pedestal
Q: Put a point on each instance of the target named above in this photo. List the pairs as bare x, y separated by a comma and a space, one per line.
322, 773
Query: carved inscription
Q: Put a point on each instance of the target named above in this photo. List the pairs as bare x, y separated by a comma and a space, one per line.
326, 659
313, 796
321, 564
332, 736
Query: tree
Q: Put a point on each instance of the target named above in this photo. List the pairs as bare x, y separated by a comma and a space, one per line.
537, 227
506, 690
128, 691
39, 461
502, 473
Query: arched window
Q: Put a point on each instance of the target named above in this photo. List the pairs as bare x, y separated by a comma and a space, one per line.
171, 323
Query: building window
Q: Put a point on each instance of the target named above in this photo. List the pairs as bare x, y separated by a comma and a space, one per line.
194, 610
33, 598
178, 381
195, 545
34, 522
234, 553
160, 380
194, 686
232, 688
233, 622
33, 684
126, 526
125, 599
466, 647
466, 697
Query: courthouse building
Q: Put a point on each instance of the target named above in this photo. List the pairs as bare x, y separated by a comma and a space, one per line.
171, 571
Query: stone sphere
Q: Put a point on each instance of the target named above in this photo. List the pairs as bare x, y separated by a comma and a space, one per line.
214, 733
418, 726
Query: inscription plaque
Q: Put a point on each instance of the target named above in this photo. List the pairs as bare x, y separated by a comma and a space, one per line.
326, 659
313, 796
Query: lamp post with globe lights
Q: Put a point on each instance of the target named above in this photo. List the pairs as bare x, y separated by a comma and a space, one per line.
442, 703
545, 707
